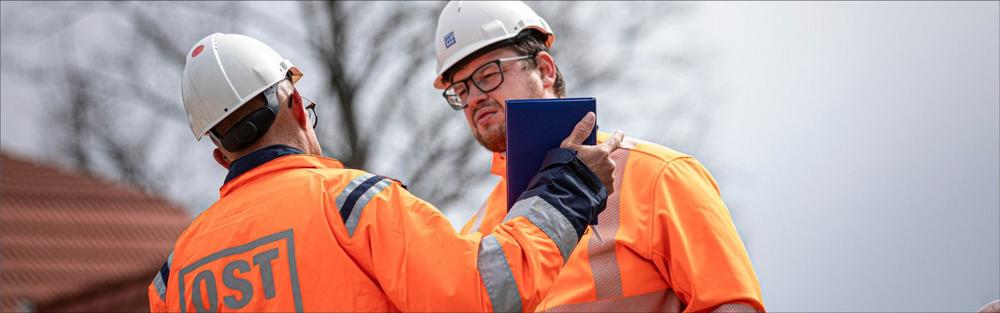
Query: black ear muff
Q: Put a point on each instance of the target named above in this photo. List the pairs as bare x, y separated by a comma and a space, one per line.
245, 133
255, 125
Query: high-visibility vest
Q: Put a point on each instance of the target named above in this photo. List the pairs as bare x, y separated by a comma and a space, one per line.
669, 243
301, 233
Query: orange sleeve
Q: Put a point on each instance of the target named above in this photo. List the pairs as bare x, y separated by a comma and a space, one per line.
156, 304
423, 264
699, 252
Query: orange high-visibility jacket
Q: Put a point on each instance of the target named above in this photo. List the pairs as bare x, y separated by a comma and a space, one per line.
301, 233
669, 243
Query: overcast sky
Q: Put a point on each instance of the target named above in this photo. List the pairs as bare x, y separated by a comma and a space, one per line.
858, 148
857, 145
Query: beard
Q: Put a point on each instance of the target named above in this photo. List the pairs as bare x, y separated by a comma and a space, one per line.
494, 137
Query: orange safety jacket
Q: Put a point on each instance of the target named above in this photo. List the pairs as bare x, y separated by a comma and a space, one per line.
301, 233
669, 243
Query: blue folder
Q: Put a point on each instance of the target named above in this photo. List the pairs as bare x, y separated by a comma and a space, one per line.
535, 126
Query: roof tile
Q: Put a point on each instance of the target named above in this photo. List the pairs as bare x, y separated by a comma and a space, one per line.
63, 235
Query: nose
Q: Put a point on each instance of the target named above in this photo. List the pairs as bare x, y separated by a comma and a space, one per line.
476, 96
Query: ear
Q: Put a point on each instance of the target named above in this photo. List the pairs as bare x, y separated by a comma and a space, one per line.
546, 69
220, 158
298, 110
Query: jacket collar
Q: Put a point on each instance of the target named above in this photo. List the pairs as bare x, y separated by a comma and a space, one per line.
256, 158
269, 160
499, 167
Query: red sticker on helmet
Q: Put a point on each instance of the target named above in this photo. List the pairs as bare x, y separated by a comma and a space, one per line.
197, 50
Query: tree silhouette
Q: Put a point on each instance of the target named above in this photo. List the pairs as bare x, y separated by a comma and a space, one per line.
116, 111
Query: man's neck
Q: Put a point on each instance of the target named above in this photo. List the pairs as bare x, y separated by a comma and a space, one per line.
259, 157
264, 143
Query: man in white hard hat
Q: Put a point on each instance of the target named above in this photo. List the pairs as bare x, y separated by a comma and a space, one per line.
669, 243
294, 231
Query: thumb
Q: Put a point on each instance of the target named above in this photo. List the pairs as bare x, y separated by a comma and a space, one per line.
580, 132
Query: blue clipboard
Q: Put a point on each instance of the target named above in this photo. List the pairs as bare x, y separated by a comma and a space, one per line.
535, 126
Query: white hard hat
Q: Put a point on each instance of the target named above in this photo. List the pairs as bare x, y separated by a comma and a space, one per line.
223, 72
465, 27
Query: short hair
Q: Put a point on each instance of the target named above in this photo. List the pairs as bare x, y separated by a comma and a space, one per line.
528, 42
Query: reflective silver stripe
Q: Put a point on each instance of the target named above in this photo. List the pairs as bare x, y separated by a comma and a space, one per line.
497, 277
352, 221
656, 301
549, 220
161, 288
158, 283
350, 187
603, 261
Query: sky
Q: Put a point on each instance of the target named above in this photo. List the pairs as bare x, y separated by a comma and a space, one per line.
858, 148
856, 144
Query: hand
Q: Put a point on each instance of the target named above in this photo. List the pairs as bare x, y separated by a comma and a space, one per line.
597, 158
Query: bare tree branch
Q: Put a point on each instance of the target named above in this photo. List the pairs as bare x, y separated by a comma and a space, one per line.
166, 48
373, 92
79, 107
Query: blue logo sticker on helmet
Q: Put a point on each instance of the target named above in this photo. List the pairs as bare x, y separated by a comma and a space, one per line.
449, 40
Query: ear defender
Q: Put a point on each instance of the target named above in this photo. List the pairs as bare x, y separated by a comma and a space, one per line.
255, 125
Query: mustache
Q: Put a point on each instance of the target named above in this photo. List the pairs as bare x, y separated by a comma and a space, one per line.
485, 104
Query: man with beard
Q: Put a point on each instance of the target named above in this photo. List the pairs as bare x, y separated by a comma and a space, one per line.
295, 231
669, 243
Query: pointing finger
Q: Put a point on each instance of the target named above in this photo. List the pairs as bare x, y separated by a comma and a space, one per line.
616, 141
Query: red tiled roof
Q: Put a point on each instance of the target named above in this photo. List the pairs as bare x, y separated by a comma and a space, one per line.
63, 235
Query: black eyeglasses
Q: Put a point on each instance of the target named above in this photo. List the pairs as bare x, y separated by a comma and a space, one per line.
311, 110
486, 78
